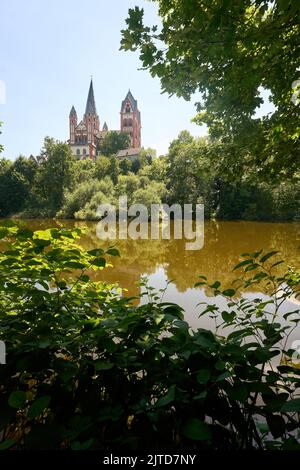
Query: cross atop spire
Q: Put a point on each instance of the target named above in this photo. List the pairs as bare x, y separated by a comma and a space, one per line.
90, 104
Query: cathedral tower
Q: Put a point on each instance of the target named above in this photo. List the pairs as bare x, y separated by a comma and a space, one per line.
131, 120
73, 124
91, 118
86, 136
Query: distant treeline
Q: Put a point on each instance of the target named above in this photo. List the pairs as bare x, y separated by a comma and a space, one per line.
56, 184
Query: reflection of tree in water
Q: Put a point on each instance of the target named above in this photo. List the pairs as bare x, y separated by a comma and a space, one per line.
223, 244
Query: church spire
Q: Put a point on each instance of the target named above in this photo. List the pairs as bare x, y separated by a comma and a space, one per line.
90, 104
73, 112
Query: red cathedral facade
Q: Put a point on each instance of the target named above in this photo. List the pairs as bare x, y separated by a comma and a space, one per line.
86, 135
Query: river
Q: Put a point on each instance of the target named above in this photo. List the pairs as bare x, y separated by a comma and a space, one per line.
168, 260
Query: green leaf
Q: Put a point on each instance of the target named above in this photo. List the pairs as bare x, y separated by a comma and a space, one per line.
24, 234
41, 243
100, 262
7, 444
17, 399
76, 445
96, 252
223, 376
8, 223
38, 406
205, 339
103, 365
242, 263
215, 285
220, 365
252, 267
168, 398
268, 255
196, 430
276, 424
228, 292
291, 405
200, 283
113, 252
239, 393
203, 376
200, 396
3, 232
73, 265
228, 317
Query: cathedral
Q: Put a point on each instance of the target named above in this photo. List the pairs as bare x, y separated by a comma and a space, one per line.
86, 136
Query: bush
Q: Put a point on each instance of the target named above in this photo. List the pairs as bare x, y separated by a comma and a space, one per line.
77, 199
87, 369
151, 194
89, 212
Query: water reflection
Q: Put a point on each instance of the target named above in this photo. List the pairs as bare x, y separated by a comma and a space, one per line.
165, 260
169, 260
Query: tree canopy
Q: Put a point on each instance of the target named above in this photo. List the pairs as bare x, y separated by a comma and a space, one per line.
228, 51
113, 142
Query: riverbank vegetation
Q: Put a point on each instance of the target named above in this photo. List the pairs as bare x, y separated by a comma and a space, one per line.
56, 184
88, 369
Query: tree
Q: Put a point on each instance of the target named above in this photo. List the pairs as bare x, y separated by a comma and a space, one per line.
113, 142
102, 166
127, 186
188, 171
16, 182
156, 171
125, 166
83, 170
77, 199
151, 194
54, 176
114, 169
228, 51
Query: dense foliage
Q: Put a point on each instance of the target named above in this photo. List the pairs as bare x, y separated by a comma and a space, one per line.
114, 141
57, 184
86, 369
228, 52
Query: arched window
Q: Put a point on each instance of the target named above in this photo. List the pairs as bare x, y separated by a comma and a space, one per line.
129, 122
78, 151
125, 122
84, 151
127, 109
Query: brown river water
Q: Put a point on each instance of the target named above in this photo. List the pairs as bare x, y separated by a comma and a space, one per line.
168, 260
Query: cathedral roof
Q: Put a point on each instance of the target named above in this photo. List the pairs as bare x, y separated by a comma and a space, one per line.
81, 126
105, 127
90, 104
73, 112
129, 97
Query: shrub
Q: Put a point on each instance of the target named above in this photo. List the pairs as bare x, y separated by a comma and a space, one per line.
89, 212
87, 369
77, 199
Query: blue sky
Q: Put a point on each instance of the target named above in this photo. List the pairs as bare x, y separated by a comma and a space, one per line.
49, 50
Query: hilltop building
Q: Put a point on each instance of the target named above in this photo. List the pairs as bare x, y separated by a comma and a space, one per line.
86, 135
